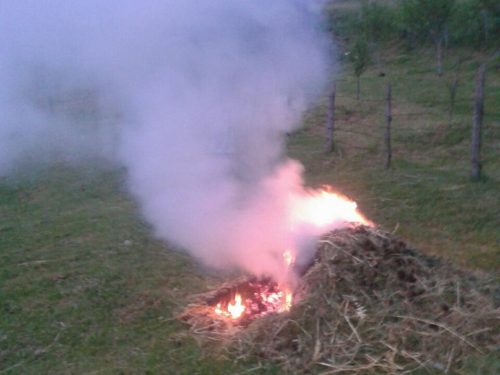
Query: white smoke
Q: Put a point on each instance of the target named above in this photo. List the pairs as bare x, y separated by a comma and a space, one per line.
194, 98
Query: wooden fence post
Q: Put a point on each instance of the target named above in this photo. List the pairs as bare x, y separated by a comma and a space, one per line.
477, 124
330, 123
388, 118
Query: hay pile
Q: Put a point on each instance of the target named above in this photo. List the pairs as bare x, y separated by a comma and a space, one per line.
369, 303
202, 319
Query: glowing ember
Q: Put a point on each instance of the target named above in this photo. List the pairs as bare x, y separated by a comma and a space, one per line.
257, 298
288, 301
237, 309
218, 310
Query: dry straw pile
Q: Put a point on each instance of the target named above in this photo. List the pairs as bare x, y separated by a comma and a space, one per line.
369, 303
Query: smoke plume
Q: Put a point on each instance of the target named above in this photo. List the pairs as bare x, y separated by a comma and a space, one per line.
195, 98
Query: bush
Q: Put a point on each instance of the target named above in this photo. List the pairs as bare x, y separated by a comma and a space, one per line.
467, 27
342, 24
377, 23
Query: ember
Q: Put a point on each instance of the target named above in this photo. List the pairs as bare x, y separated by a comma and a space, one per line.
252, 299
367, 292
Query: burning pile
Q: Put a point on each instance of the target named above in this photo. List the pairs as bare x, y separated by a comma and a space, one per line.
251, 298
236, 305
368, 302
371, 302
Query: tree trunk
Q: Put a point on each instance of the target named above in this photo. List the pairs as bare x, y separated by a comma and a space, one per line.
484, 12
445, 36
357, 87
439, 56
477, 125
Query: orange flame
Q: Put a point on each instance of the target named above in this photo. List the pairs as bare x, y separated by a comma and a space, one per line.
287, 303
233, 310
218, 310
237, 309
288, 258
319, 209
324, 208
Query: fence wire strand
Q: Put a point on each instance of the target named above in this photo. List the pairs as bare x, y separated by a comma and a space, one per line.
404, 134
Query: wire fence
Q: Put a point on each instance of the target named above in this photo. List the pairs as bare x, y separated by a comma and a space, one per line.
388, 125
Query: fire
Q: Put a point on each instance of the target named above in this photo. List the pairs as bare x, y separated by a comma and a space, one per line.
288, 258
287, 304
237, 309
233, 310
315, 212
270, 297
324, 208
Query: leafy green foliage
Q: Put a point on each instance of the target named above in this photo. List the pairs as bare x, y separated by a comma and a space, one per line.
377, 23
466, 23
490, 5
426, 17
359, 57
466, 26
342, 24
475, 24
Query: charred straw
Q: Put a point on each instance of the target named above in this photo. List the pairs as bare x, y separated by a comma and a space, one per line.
369, 302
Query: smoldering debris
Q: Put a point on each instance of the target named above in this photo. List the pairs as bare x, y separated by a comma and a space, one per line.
370, 302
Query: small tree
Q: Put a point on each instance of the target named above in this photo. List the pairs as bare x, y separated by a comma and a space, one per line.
466, 25
489, 8
427, 18
376, 24
476, 23
359, 57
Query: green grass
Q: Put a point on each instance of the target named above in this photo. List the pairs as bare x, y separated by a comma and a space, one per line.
427, 194
76, 298
86, 289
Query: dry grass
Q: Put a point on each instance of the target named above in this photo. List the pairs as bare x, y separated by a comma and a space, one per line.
369, 303
203, 320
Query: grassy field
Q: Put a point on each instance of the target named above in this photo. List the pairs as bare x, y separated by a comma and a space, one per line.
86, 289
427, 195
